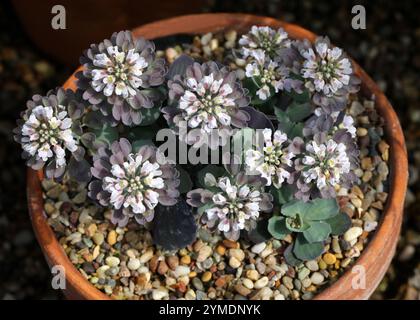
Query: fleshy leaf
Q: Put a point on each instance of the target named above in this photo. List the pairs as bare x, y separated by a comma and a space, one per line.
297, 223
290, 257
258, 120
298, 112
305, 251
322, 209
174, 227
149, 115
79, 170
179, 66
318, 231
140, 143
277, 227
185, 180
339, 223
295, 206
260, 232
282, 195
106, 134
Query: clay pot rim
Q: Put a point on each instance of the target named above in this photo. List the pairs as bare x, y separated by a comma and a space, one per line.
380, 247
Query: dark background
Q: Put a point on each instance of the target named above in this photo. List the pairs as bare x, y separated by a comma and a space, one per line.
35, 58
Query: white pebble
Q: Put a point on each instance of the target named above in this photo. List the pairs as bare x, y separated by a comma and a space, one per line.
133, 264
261, 283
160, 293
258, 248
317, 278
181, 271
146, 256
353, 233
112, 261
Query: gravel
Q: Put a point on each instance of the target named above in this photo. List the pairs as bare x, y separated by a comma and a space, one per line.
389, 53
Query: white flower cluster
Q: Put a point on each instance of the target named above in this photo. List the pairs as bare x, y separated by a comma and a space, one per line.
234, 206
326, 70
205, 103
272, 163
118, 72
47, 133
263, 38
269, 73
325, 163
133, 184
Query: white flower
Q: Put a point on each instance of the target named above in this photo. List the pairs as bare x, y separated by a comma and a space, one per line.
325, 163
264, 38
133, 184
206, 103
274, 159
325, 69
47, 133
347, 123
268, 74
234, 206
118, 72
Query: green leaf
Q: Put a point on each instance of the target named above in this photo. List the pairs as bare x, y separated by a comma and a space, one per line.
185, 180
292, 129
317, 232
141, 133
339, 223
281, 115
204, 207
305, 251
300, 97
296, 130
296, 223
282, 195
140, 143
298, 112
260, 232
293, 207
216, 171
277, 227
149, 116
106, 134
290, 257
322, 209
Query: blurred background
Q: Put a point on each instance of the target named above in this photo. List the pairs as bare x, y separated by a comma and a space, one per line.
35, 58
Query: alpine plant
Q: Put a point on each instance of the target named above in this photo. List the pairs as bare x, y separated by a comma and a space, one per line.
121, 76
206, 98
133, 183
49, 130
234, 203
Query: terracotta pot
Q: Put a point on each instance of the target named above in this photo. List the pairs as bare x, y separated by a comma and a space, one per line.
375, 258
91, 21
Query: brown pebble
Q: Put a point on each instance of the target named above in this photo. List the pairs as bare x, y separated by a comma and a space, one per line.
172, 261
220, 282
181, 287
163, 268
242, 290
141, 280
230, 244
153, 263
